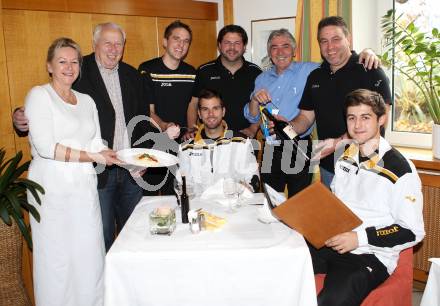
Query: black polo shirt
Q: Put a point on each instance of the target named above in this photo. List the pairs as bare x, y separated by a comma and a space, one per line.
325, 93
172, 89
235, 89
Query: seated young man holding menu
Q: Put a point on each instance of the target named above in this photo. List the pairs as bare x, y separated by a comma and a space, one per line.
383, 189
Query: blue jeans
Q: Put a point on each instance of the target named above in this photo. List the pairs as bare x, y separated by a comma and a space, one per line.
118, 199
326, 177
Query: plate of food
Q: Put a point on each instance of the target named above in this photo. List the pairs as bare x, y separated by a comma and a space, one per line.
147, 158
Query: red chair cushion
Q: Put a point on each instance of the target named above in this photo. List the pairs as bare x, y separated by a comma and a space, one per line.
395, 291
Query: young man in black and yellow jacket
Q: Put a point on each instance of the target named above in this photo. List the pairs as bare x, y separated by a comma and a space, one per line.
215, 153
383, 189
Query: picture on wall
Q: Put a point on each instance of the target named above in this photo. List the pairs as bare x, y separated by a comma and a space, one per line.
260, 32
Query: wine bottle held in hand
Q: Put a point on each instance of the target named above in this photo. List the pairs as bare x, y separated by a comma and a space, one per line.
184, 202
285, 131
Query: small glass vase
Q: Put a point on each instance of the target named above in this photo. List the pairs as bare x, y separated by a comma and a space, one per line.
162, 221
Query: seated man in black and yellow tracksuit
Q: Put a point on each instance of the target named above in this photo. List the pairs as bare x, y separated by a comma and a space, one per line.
383, 189
215, 153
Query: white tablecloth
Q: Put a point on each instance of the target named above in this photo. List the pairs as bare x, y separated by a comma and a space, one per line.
431, 296
245, 263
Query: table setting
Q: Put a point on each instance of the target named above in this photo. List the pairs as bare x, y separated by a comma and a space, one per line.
242, 261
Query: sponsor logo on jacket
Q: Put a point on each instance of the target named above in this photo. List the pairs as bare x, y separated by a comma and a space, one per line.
195, 154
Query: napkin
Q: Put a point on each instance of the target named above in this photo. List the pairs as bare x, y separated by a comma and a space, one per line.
264, 213
215, 192
276, 197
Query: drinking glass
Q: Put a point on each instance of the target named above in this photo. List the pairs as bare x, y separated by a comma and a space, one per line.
230, 190
240, 186
190, 190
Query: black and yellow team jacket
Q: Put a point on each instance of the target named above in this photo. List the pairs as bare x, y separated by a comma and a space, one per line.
205, 161
384, 191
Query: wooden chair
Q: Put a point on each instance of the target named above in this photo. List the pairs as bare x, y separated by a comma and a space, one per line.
395, 291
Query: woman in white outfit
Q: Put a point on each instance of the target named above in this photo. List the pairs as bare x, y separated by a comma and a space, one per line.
65, 140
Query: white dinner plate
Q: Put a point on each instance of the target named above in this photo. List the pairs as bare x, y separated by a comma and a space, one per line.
132, 157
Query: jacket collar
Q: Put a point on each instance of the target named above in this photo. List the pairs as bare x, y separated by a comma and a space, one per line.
198, 139
351, 154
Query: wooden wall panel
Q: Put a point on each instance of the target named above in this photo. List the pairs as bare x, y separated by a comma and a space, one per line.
25, 36
6, 130
163, 8
203, 47
228, 12
26, 46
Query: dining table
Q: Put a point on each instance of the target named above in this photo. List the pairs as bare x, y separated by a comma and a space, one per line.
244, 262
431, 294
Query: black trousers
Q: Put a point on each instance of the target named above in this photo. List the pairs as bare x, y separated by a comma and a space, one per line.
350, 277
282, 165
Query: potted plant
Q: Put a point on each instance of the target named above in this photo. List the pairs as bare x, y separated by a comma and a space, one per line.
418, 62
13, 199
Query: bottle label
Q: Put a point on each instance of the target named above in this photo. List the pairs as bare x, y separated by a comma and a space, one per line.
288, 129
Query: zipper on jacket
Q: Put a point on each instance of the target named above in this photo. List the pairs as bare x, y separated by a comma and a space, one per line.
211, 157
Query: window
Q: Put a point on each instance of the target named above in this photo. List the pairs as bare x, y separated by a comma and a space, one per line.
411, 123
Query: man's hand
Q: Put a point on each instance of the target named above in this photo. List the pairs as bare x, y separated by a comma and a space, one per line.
165, 125
270, 124
172, 130
326, 147
261, 97
190, 134
251, 130
344, 242
137, 172
21, 123
369, 59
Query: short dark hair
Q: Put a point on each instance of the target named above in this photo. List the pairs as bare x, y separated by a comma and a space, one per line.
176, 25
232, 28
207, 93
367, 97
333, 21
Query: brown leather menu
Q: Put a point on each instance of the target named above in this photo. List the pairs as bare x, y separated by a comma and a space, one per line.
317, 214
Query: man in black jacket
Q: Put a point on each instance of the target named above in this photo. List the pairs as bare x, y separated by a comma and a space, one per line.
120, 95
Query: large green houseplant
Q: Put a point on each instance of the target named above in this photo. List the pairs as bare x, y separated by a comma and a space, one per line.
420, 57
418, 62
13, 199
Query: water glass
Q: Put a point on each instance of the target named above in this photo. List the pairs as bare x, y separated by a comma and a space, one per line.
230, 190
241, 185
190, 190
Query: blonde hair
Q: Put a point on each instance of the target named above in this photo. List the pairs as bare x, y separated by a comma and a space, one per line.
63, 42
